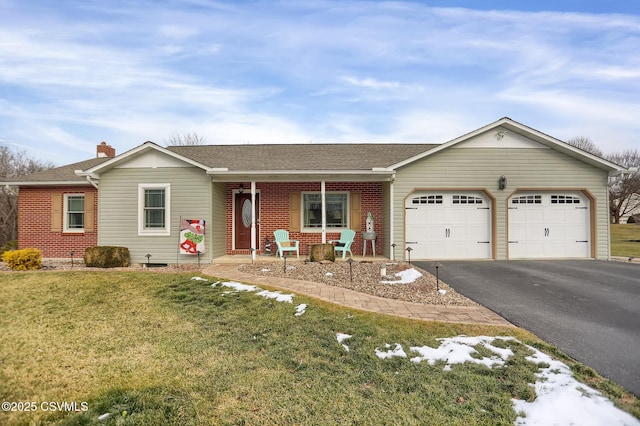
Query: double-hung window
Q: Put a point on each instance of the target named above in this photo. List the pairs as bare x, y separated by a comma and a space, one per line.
154, 209
73, 216
337, 211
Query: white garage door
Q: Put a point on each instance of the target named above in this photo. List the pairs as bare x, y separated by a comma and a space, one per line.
549, 225
448, 225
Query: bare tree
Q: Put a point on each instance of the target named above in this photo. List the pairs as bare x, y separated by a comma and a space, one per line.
624, 190
13, 164
584, 143
177, 139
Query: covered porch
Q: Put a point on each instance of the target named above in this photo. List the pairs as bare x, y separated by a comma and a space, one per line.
314, 209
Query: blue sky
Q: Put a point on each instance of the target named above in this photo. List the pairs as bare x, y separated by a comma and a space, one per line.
74, 73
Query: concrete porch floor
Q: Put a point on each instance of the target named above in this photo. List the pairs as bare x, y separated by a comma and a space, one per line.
239, 259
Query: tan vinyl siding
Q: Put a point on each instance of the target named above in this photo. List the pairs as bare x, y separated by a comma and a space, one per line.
525, 169
118, 211
217, 227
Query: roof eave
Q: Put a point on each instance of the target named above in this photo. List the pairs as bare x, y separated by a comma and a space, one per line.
48, 183
534, 134
301, 175
139, 150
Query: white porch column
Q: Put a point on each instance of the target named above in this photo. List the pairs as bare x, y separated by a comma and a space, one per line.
324, 212
253, 221
392, 249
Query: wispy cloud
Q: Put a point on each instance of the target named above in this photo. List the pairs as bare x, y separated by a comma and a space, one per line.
79, 73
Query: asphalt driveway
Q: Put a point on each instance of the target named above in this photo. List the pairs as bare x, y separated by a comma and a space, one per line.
589, 309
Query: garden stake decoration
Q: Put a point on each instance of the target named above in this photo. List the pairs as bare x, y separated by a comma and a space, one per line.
350, 262
437, 265
409, 254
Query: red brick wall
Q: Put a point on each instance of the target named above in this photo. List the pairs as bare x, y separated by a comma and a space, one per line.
34, 223
274, 212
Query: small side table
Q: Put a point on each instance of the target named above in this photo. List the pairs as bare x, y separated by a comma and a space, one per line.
369, 236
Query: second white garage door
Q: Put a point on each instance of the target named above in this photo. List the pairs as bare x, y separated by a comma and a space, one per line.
549, 225
448, 225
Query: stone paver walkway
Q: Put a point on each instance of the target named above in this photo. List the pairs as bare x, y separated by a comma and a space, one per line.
365, 302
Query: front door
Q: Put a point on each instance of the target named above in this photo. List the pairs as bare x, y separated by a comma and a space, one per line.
242, 221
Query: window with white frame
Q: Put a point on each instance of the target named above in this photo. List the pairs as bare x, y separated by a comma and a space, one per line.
73, 216
154, 209
337, 210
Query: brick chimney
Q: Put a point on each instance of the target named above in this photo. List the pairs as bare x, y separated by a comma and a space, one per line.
104, 150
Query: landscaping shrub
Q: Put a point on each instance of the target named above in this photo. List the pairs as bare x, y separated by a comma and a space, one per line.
107, 257
23, 260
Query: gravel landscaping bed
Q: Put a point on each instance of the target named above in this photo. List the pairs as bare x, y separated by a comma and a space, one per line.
365, 278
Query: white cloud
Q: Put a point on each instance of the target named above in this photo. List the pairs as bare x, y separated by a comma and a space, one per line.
320, 71
371, 83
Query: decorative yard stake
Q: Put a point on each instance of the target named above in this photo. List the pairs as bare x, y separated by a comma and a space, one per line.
350, 262
409, 254
71, 254
437, 265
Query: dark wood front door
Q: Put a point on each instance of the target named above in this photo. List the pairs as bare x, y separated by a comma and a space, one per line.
242, 221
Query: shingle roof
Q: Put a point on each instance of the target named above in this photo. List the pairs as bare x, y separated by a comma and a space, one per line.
267, 157
63, 173
276, 157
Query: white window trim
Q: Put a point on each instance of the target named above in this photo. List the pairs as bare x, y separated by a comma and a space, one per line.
65, 214
167, 210
319, 229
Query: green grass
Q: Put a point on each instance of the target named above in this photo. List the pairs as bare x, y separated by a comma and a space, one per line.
164, 349
621, 240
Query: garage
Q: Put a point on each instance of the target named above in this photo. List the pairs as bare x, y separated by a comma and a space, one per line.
549, 225
448, 225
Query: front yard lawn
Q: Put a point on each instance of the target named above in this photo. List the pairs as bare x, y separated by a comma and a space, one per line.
154, 348
625, 240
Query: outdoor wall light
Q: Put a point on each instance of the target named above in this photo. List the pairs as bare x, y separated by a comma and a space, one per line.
241, 189
502, 182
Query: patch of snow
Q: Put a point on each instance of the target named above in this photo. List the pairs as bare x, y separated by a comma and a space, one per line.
406, 277
329, 274
104, 416
458, 350
442, 292
276, 295
239, 286
390, 353
341, 338
301, 309
198, 279
562, 400
265, 270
